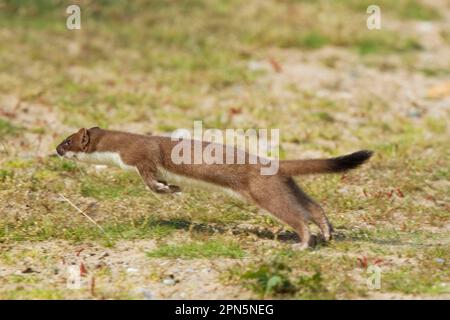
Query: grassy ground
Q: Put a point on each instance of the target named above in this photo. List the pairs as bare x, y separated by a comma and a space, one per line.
309, 68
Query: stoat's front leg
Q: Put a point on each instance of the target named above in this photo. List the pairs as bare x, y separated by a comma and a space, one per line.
158, 186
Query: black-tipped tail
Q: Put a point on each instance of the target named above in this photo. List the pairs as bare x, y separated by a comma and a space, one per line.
330, 165
350, 161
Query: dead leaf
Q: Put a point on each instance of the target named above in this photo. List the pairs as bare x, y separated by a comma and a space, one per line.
275, 65
233, 111
83, 270
77, 253
400, 193
363, 262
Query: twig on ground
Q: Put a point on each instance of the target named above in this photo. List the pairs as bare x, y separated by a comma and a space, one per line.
84, 214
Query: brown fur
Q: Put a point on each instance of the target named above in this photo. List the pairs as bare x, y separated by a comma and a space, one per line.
278, 194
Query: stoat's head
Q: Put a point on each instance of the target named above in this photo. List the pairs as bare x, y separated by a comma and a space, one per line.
74, 144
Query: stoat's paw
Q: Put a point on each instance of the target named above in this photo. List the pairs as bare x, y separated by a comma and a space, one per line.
305, 244
174, 188
325, 237
162, 188
300, 246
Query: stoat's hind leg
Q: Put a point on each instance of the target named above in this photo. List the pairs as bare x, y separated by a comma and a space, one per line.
320, 219
275, 195
315, 211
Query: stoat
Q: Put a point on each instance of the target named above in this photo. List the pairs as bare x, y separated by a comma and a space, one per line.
151, 157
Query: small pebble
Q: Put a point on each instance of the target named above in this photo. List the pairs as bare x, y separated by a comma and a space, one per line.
439, 260
132, 270
169, 281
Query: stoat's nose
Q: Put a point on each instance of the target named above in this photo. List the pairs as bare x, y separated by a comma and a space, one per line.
59, 151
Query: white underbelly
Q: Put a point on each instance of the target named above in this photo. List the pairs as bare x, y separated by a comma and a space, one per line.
114, 159
103, 158
186, 182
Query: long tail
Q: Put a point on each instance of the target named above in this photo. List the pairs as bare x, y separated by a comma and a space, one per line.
338, 164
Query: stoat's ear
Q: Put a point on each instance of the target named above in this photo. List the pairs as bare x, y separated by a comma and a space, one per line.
83, 132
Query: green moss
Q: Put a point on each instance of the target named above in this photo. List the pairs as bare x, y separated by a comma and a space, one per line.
103, 188
275, 278
18, 164
269, 279
414, 9
404, 9
22, 279
386, 43
7, 128
5, 174
61, 165
313, 40
208, 249
70, 226
410, 281
39, 294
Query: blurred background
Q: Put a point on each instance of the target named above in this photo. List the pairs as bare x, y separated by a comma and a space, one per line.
311, 68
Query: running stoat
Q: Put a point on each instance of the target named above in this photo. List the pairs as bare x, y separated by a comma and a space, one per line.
150, 156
